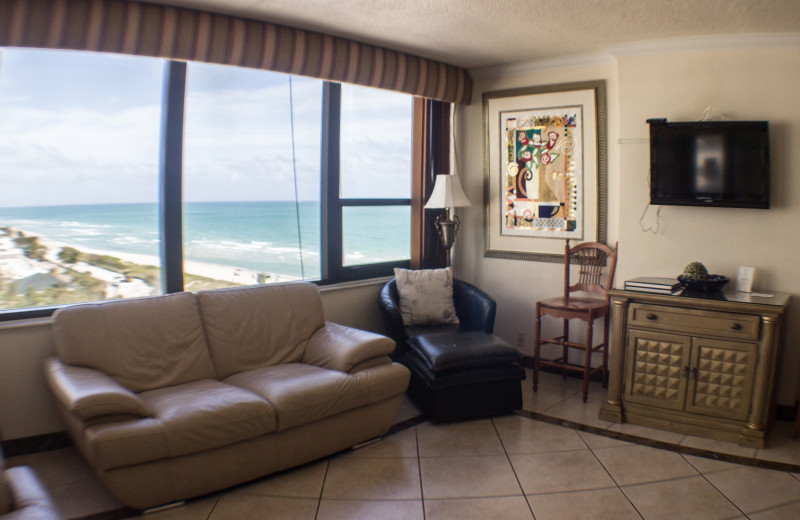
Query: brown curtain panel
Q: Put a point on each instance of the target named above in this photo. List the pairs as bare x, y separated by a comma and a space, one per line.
431, 156
144, 29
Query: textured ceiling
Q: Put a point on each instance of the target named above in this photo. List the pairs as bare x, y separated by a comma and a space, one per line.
480, 33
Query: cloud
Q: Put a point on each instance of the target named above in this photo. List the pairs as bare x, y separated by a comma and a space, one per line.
238, 146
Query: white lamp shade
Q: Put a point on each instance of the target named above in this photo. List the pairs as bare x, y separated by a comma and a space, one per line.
447, 193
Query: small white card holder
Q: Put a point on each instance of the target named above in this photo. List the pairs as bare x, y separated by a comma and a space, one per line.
744, 278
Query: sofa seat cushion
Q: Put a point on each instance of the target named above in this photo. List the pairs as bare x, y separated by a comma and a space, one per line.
303, 393
445, 351
187, 418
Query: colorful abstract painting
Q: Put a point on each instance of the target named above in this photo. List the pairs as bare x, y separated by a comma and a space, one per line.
542, 173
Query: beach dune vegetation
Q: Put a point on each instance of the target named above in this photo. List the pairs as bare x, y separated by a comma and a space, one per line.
31, 247
69, 255
72, 285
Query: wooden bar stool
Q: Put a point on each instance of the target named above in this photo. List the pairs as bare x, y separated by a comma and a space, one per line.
591, 257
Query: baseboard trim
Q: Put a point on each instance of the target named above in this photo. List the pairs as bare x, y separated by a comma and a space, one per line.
527, 362
35, 444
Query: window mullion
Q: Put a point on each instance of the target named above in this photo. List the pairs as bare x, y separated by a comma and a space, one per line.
331, 207
171, 177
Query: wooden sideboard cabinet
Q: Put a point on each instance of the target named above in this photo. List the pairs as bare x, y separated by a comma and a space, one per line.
702, 364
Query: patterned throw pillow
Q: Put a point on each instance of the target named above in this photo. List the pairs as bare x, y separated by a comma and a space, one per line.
426, 296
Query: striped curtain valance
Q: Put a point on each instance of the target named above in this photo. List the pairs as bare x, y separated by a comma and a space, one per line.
144, 29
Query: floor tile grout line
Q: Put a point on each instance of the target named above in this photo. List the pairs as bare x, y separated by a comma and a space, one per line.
723, 470
612, 477
654, 443
419, 470
322, 488
671, 479
557, 402
726, 496
758, 511
513, 469
216, 503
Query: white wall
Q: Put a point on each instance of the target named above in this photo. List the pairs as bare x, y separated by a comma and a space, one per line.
756, 83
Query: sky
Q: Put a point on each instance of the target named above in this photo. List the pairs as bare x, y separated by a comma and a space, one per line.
84, 128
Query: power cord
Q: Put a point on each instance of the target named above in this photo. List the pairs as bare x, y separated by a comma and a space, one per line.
709, 115
650, 229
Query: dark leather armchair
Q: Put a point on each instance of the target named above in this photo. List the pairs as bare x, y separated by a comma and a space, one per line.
459, 371
475, 310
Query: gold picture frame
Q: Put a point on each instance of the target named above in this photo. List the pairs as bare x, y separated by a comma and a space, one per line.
566, 173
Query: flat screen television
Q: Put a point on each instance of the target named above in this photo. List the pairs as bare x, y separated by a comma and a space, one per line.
709, 163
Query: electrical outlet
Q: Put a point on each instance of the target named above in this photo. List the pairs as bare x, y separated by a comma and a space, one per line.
520, 339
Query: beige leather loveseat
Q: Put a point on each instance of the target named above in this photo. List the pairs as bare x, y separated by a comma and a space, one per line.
176, 396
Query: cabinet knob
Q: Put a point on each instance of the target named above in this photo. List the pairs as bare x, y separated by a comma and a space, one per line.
736, 326
652, 317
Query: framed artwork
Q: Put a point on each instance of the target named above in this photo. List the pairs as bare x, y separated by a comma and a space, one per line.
544, 169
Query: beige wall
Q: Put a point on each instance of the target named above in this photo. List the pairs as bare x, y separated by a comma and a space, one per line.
516, 285
744, 85
26, 407
758, 84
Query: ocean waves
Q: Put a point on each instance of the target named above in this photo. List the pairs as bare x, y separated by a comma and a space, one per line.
258, 236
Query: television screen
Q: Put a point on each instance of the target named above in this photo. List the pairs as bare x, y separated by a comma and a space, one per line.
710, 163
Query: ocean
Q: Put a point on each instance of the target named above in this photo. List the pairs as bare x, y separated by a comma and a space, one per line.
260, 236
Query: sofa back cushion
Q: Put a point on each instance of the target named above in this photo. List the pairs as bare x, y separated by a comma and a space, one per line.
142, 343
259, 326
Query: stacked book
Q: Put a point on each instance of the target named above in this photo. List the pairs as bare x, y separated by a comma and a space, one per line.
653, 284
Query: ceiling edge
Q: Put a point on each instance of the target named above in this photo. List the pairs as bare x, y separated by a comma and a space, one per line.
706, 43
527, 67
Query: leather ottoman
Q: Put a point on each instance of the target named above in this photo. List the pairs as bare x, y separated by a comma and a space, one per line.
460, 375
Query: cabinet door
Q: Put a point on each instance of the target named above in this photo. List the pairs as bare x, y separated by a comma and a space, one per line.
655, 368
722, 385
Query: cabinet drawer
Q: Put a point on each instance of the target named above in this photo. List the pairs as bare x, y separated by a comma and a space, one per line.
694, 321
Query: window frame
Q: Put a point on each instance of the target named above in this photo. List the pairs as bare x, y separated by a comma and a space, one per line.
332, 203
332, 268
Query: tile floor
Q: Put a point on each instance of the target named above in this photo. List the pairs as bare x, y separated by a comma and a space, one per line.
507, 467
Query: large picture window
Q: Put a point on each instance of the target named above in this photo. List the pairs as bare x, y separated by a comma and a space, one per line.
81, 200
79, 176
242, 218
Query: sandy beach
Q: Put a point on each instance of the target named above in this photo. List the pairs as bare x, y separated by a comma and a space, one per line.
207, 270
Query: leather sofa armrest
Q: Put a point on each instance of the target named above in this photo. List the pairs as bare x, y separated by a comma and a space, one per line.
31, 500
343, 348
88, 394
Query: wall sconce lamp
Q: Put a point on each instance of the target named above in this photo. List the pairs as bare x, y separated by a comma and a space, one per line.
447, 193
